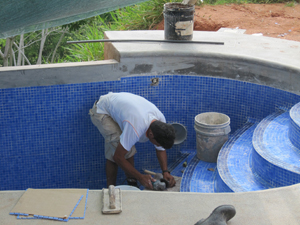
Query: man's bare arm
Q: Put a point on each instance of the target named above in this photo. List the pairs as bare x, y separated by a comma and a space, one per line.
162, 159
119, 158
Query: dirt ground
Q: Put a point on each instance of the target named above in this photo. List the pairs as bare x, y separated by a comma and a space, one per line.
272, 20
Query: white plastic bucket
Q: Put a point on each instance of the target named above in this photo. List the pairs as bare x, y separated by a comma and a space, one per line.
212, 131
127, 188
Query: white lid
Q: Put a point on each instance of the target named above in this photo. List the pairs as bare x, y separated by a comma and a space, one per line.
127, 188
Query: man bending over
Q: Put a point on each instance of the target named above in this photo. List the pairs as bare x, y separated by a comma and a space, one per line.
124, 119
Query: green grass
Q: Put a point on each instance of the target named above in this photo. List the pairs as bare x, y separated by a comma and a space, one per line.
143, 16
89, 51
290, 4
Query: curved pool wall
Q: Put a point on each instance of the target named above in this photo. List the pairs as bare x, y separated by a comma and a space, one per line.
48, 141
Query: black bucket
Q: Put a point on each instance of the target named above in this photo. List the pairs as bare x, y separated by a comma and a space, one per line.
179, 21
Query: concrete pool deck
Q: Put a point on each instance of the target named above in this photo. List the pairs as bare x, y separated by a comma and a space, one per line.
269, 207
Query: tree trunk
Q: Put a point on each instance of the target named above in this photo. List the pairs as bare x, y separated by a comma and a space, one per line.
23, 55
5, 55
43, 40
11, 52
56, 47
20, 55
13, 57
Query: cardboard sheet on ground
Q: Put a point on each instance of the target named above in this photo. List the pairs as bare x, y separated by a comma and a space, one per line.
79, 212
53, 203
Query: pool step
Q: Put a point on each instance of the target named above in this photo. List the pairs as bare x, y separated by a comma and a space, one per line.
202, 176
199, 176
275, 158
234, 166
294, 128
260, 155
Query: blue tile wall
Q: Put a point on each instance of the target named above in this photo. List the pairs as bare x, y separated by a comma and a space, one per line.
48, 141
276, 176
275, 159
233, 161
220, 185
294, 126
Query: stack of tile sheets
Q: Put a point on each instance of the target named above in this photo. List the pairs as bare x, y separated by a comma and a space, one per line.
54, 204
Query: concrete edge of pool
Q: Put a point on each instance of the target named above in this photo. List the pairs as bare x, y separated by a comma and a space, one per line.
256, 59
276, 206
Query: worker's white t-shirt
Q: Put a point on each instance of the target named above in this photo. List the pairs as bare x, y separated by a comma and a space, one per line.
133, 114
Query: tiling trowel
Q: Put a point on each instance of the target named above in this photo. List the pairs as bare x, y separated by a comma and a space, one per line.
111, 201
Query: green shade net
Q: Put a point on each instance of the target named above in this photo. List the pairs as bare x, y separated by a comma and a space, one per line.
23, 16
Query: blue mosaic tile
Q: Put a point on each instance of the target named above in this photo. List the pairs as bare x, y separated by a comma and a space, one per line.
48, 141
222, 167
187, 175
294, 128
86, 199
275, 159
203, 178
233, 162
178, 167
220, 185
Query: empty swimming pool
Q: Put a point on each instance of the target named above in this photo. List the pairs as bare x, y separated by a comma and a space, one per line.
48, 140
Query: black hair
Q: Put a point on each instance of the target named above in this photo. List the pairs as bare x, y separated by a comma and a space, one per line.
163, 133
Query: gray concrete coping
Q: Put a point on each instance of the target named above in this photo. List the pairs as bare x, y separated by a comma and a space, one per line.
58, 65
269, 207
256, 59
236, 45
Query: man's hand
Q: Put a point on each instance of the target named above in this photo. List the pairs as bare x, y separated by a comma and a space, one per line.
169, 178
162, 159
146, 181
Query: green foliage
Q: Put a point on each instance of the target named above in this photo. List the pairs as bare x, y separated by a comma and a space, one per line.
142, 16
137, 17
145, 15
50, 45
32, 44
89, 51
2, 43
76, 25
291, 4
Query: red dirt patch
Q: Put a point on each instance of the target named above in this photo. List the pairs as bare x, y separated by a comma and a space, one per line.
272, 20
